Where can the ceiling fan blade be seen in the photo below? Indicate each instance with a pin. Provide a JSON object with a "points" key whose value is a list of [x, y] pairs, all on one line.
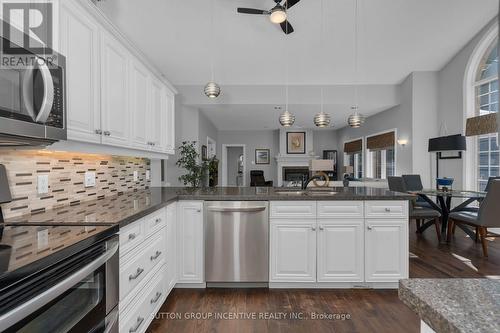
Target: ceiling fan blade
{"points": [[290, 3], [252, 11], [286, 27]]}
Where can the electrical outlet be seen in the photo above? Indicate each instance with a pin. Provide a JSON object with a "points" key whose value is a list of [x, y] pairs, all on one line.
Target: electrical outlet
{"points": [[43, 184], [136, 176], [89, 179], [148, 175]]}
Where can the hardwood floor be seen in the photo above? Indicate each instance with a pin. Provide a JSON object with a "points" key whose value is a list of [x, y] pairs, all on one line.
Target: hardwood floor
{"points": [[370, 310]]}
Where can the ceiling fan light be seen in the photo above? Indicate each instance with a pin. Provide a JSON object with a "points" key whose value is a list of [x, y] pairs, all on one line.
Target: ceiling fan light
{"points": [[278, 16], [322, 120], [287, 119], [212, 90]]}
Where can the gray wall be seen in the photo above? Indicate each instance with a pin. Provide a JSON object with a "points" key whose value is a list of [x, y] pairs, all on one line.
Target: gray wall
{"points": [[233, 155], [325, 140]]}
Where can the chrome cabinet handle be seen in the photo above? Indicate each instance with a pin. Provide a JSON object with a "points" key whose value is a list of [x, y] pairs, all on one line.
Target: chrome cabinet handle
{"points": [[388, 210], [132, 236], [98, 131], [140, 320], [136, 275], [321, 228], [158, 220], [157, 254], [369, 227], [157, 297], [313, 228], [198, 210], [107, 133]]}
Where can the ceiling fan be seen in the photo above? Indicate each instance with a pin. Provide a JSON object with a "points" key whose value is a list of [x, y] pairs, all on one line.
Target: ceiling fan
{"points": [[277, 14]]}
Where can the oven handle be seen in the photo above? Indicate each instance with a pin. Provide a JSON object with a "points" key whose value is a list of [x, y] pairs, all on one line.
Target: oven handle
{"points": [[15, 315], [48, 93]]}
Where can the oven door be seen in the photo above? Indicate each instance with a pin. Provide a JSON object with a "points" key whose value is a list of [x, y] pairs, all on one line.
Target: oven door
{"points": [[85, 301]]}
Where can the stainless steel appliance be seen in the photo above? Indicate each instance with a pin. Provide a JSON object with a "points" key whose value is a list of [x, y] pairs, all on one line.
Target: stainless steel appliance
{"points": [[78, 293], [237, 242], [32, 101]]}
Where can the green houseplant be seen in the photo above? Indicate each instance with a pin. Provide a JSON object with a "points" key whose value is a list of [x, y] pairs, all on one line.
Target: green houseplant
{"points": [[189, 160]]}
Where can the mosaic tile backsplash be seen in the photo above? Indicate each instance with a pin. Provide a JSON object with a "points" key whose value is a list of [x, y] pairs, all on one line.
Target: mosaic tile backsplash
{"points": [[66, 171]]}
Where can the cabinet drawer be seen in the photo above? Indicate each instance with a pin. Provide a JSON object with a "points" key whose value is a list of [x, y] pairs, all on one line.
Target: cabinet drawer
{"points": [[155, 222], [131, 236], [133, 271], [340, 209], [293, 209], [386, 209]]}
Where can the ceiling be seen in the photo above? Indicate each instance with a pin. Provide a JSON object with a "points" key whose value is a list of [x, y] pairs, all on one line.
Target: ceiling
{"points": [[396, 37]]}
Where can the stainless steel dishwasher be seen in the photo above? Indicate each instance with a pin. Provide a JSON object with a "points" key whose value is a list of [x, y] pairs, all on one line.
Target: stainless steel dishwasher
{"points": [[236, 241]]}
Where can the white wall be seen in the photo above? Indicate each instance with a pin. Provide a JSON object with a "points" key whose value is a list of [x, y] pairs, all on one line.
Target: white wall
{"points": [[233, 155]]}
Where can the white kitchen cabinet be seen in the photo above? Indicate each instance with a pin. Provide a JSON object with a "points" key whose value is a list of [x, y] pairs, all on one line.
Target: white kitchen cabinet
{"points": [[139, 104], [190, 247], [79, 41], [340, 250], [171, 248], [114, 98], [157, 119], [169, 132], [293, 251], [386, 250]]}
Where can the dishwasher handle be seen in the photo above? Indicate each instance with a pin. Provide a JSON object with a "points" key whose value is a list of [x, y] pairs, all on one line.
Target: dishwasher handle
{"points": [[237, 209]]}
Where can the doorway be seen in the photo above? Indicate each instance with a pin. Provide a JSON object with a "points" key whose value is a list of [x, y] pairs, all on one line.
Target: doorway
{"points": [[233, 165]]}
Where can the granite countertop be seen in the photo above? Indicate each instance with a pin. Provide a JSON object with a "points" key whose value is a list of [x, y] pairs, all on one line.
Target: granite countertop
{"points": [[128, 207], [454, 305]]}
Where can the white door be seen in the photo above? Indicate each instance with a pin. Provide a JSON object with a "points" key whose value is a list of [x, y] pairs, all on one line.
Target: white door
{"points": [[190, 242], [386, 250], [169, 132], [157, 121], [293, 251], [171, 247], [114, 99], [139, 104], [340, 250], [79, 35]]}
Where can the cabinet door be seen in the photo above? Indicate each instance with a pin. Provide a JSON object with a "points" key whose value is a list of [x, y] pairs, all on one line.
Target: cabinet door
{"points": [[115, 99], [190, 237], [386, 250], [171, 248], [293, 251], [157, 120], [139, 104], [169, 131], [340, 250], [79, 35]]}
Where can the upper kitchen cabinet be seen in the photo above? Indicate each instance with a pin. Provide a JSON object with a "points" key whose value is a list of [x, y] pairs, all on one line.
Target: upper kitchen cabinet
{"points": [[115, 97], [115, 113], [80, 44]]}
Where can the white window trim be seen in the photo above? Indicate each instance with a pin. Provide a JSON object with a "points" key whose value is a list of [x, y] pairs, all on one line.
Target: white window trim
{"points": [[384, 165], [356, 163], [470, 162]]}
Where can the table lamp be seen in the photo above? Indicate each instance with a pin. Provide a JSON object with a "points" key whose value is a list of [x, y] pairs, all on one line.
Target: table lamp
{"points": [[447, 143], [318, 167]]}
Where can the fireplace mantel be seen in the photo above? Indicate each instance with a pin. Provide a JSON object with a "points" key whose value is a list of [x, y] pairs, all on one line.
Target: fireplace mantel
{"points": [[292, 161]]}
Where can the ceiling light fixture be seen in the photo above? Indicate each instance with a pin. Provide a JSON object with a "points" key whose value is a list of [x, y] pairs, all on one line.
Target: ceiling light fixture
{"points": [[287, 119], [356, 119], [322, 119], [212, 89], [278, 15]]}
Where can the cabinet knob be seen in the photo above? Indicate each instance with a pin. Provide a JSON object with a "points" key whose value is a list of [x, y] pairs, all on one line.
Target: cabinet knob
{"points": [[388, 210], [321, 228], [107, 133], [313, 228], [132, 236], [198, 210], [369, 227], [98, 131]]}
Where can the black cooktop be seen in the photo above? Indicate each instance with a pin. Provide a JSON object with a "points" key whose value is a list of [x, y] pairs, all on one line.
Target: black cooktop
{"points": [[25, 250]]}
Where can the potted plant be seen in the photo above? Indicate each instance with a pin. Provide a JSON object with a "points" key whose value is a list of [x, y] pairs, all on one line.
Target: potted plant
{"points": [[190, 161]]}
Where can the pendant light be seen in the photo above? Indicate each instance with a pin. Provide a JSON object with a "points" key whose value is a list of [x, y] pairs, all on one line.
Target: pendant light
{"points": [[212, 89], [287, 119], [356, 119], [322, 119]]}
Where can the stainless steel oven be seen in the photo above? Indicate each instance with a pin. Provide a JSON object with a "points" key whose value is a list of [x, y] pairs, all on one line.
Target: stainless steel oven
{"points": [[77, 294], [32, 99]]}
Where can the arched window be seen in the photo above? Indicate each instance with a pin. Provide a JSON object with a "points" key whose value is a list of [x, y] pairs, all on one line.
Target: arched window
{"points": [[486, 101]]}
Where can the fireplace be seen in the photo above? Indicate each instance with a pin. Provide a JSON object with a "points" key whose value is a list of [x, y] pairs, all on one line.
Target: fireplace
{"points": [[291, 174]]}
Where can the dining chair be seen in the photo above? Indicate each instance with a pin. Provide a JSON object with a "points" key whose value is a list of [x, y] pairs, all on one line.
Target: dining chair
{"points": [[419, 214], [486, 217], [413, 183]]}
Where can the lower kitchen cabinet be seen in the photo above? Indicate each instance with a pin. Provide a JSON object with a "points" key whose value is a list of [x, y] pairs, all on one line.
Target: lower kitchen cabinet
{"points": [[190, 247], [293, 251], [341, 250], [386, 250], [171, 248]]}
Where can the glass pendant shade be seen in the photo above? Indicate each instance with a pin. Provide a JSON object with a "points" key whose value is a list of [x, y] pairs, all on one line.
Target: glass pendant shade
{"points": [[287, 119], [212, 90], [322, 120], [356, 120]]}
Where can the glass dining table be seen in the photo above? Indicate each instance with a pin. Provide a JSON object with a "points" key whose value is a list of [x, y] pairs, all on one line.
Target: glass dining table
{"points": [[443, 204]]}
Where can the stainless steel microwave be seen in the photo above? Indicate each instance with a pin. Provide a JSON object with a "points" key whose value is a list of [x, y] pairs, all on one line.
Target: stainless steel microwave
{"points": [[33, 102]]}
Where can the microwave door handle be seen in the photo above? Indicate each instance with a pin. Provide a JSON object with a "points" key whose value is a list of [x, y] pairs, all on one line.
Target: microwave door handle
{"points": [[28, 92], [48, 96], [27, 308]]}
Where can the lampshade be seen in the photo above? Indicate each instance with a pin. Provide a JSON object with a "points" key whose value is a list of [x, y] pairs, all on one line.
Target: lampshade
{"points": [[321, 165], [5, 195], [349, 169], [448, 143]]}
